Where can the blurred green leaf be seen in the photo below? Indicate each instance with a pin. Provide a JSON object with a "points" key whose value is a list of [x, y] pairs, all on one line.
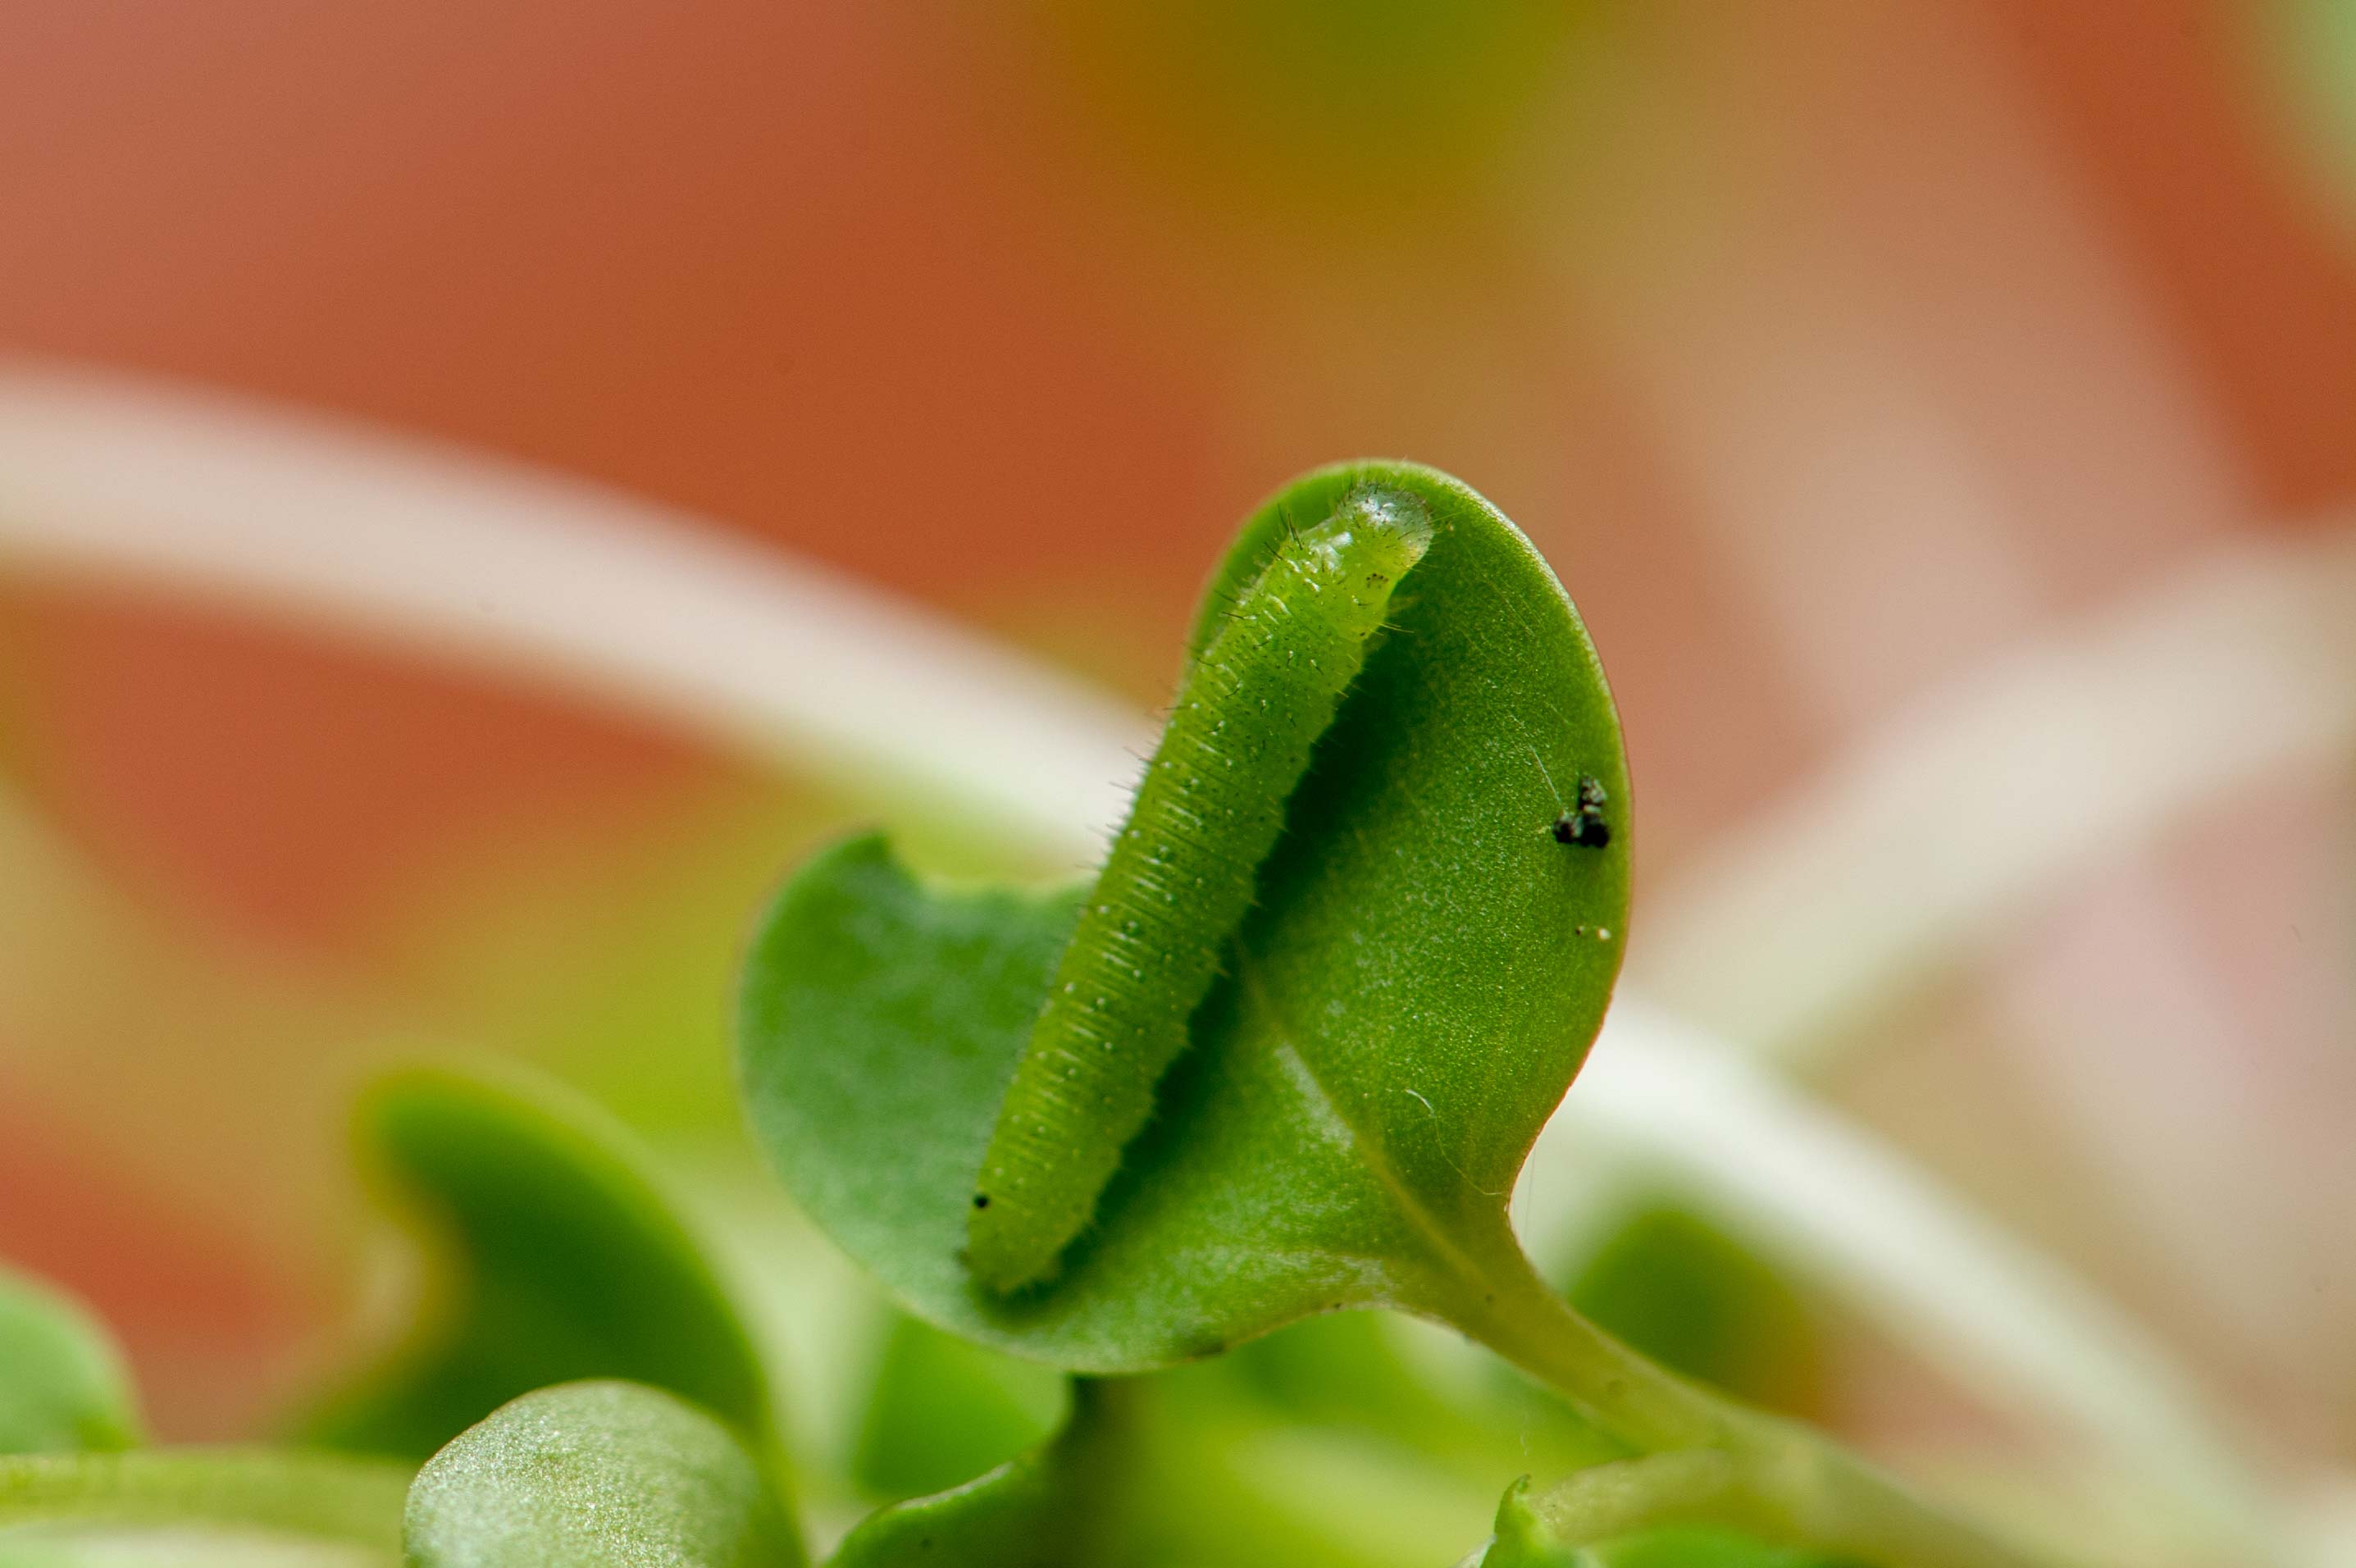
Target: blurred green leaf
{"points": [[1320, 111], [200, 1505], [594, 1474], [2311, 46], [63, 1385], [606, 950], [1685, 1293], [559, 1258], [1052, 1507], [943, 1410], [1348, 1375], [1417, 985]]}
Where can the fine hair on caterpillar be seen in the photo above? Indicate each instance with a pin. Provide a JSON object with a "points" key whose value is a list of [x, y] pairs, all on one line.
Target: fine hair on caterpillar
{"points": [[1179, 878]]}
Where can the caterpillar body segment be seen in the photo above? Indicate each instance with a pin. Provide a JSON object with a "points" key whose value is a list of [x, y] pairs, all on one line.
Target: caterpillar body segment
{"points": [[1180, 877]]}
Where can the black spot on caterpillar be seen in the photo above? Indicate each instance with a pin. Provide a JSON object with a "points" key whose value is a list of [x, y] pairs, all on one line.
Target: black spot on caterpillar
{"points": [[1179, 878]]}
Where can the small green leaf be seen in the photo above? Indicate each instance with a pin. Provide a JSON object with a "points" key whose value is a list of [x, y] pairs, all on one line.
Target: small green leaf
{"points": [[561, 1258], [316, 1506], [63, 1386], [1417, 983], [596, 1474], [1051, 1508]]}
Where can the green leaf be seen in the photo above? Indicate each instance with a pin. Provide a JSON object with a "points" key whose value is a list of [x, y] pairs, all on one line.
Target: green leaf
{"points": [[1420, 976], [1413, 992], [63, 1386], [305, 1508], [597, 1475], [561, 1258], [1047, 1509]]}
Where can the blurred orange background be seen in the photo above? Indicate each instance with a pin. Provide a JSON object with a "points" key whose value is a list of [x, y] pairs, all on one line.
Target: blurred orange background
{"points": [[1827, 349]]}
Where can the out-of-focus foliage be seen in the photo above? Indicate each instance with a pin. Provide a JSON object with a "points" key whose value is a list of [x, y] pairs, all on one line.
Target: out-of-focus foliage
{"points": [[63, 1386], [1685, 1293], [561, 1258], [2313, 48], [1056, 1507], [942, 1409], [1321, 106]]}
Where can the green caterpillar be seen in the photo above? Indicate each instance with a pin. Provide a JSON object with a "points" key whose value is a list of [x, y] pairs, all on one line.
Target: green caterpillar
{"points": [[1180, 877]]}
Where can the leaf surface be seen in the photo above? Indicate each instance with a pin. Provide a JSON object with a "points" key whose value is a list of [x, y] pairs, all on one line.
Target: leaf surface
{"points": [[1417, 983], [596, 1474]]}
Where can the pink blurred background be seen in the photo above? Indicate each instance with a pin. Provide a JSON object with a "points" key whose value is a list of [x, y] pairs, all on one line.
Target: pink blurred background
{"points": [[1829, 350]]}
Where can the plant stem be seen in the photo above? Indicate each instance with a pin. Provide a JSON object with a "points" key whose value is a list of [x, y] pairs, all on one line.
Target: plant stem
{"points": [[1777, 1478]]}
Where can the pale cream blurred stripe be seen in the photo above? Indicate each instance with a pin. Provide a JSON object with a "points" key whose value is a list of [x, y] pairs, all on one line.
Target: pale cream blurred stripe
{"points": [[1668, 1106], [1923, 845], [456, 555], [1921, 404]]}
